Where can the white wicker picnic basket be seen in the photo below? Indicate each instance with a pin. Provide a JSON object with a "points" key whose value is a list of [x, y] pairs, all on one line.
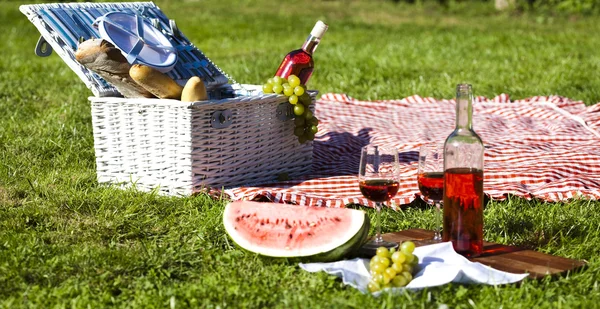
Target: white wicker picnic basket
{"points": [[238, 137]]}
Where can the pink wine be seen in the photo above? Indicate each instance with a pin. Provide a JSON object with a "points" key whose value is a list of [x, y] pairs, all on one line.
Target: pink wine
{"points": [[463, 210], [431, 185], [299, 62], [379, 190]]}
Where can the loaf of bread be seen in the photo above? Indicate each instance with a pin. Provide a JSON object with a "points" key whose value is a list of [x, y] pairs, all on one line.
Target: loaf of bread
{"points": [[156, 82], [106, 60], [194, 90]]}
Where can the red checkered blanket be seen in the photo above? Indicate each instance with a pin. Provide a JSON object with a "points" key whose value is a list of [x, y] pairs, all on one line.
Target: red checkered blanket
{"points": [[541, 147]]}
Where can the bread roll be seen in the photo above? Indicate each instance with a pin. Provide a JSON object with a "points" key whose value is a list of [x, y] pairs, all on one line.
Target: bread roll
{"points": [[106, 60], [194, 90], [155, 82]]}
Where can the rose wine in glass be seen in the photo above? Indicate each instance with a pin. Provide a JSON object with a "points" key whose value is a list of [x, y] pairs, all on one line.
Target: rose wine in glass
{"points": [[379, 181], [463, 180], [430, 178]]}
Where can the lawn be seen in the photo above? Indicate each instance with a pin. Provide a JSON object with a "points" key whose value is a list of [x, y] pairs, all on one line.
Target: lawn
{"points": [[68, 242]]}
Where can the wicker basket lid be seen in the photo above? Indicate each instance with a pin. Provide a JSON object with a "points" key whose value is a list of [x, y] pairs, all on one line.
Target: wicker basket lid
{"points": [[64, 25]]}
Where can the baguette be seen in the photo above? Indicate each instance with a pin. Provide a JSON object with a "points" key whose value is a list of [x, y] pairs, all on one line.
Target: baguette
{"points": [[155, 82], [194, 90], [103, 58]]}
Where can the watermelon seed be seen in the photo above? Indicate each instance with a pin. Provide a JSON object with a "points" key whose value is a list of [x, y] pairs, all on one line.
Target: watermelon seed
{"points": [[291, 236], [337, 219], [287, 226], [310, 234], [312, 224]]}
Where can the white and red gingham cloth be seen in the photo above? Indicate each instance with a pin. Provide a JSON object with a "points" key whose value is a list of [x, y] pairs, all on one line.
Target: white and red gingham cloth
{"points": [[541, 147]]}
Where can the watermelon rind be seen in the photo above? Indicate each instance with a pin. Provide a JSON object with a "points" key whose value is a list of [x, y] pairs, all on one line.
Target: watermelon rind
{"points": [[353, 234], [350, 248]]}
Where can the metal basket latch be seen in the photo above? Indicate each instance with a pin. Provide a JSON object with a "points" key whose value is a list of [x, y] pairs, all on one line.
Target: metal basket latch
{"points": [[285, 111], [42, 48], [221, 119]]}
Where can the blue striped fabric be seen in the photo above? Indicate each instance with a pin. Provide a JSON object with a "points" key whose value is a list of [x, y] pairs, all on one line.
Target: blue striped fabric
{"points": [[69, 22]]}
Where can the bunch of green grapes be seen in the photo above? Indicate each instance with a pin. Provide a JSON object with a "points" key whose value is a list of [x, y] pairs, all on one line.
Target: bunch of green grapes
{"points": [[392, 268], [306, 123]]}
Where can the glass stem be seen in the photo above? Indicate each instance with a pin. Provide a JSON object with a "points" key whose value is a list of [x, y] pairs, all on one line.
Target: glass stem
{"points": [[378, 237], [438, 221]]}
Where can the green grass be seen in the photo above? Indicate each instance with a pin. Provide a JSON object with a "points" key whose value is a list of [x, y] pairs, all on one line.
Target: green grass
{"points": [[68, 242]]}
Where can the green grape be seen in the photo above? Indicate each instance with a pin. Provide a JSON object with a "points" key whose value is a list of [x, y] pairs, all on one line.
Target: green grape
{"points": [[293, 99], [407, 275], [270, 81], [392, 250], [313, 129], [315, 122], [390, 272], [277, 88], [378, 268], [299, 110], [375, 259], [372, 263], [299, 121], [385, 261], [307, 114], [373, 287], [277, 80], [293, 80], [302, 139], [299, 131], [407, 268], [378, 277], [306, 99], [298, 90], [397, 267], [415, 261], [382, 252], [309, 135], [398, 257], [267, 88], [284, 80], [386, 278], [288, 91], [409, 258], [407, 247], [399, 281]]}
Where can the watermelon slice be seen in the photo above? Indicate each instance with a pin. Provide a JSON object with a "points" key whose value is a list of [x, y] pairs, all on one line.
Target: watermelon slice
{"points": [[288, 231]]}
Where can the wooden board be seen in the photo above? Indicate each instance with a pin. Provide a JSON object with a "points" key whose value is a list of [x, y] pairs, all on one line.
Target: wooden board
{"points": [[502, 257]]}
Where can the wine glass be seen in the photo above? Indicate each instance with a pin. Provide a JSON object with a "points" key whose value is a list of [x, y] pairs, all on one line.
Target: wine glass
{"points": [[430, 178], [379, 181]]}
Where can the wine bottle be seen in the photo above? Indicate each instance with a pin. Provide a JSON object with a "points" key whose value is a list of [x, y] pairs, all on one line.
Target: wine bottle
{"points": [[463, 180], [299, 62]]}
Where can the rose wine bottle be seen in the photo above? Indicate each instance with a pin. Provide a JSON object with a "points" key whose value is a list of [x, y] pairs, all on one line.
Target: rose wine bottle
{"points": [[463, 180], [299, 62]]}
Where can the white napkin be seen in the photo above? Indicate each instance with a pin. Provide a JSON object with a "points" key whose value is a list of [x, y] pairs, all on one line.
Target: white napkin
{"points": [[438, 264]]}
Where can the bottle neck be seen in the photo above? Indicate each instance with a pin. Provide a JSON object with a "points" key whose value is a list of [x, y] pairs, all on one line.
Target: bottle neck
{"points": [[464, 107], [311, 43]]}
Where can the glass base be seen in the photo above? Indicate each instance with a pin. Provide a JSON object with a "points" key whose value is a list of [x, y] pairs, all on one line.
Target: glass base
{"points": [[369, 249]]}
